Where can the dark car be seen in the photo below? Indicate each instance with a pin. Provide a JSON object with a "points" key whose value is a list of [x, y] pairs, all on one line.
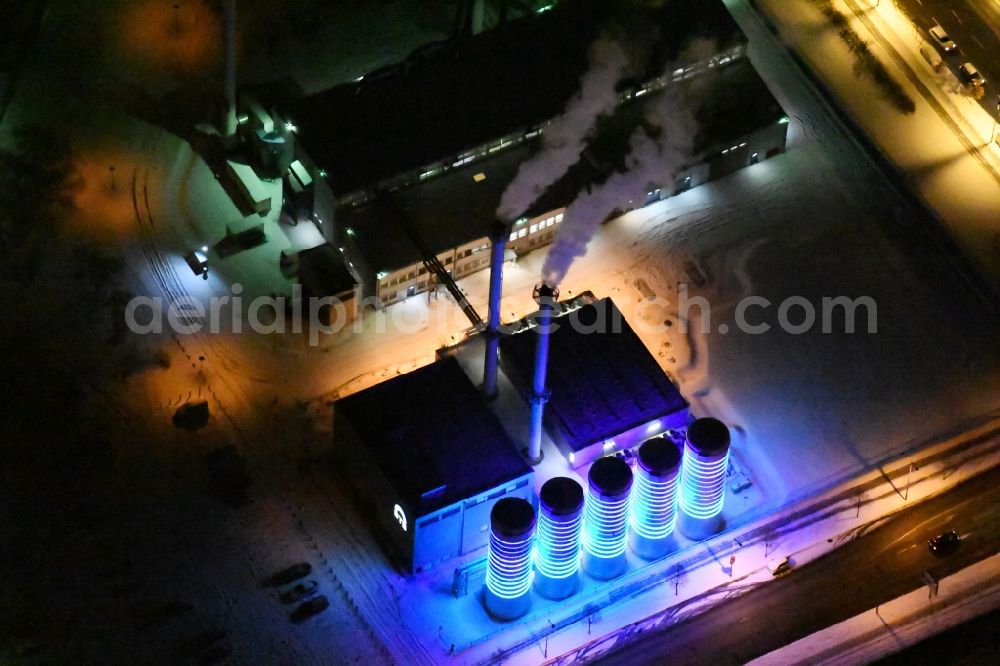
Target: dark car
{"points": [[300, 591], [945, 544], [970, 76], [289, 575], [309, 608]]}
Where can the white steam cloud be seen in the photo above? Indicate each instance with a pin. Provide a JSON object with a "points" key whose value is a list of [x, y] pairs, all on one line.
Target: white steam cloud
{"points": [[653, 161], [564, 139]]}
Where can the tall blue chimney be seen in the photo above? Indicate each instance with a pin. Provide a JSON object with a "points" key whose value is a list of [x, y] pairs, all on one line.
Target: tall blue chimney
{"points": [[546, 296]]}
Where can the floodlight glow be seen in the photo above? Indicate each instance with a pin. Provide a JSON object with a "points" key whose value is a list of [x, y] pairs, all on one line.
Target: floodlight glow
{"points": [[508, 567], [557, 546], [702, 484], [654, 507]]}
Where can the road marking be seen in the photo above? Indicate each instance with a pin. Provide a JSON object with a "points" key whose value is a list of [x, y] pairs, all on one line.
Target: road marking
{"points": [[976, 40], [957, 17]]}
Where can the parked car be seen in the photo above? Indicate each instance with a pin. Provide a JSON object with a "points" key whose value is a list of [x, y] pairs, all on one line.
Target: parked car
{"points": [[970, 76], [941, 38], [289, 575], [945, 544], [779, 566], [309, 608], [300, 591]]}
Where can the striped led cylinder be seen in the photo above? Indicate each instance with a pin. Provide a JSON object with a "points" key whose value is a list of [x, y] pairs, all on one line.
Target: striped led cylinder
{"points": [[557, 540], [508, 566], [605, 526], [703, 477], [654, 498]]}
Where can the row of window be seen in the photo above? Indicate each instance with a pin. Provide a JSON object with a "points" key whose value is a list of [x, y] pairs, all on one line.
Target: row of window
{"points": [[547, 222], [689, 71], [488, 149]]}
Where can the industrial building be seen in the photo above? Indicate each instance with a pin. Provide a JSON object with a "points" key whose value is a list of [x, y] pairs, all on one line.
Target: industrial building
{"points": [[429, 461], [607, 391], [416, 155]]}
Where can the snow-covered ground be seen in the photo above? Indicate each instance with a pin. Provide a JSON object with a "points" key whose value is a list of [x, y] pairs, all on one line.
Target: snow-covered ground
{"points": [[810, 410], [943, 149]]}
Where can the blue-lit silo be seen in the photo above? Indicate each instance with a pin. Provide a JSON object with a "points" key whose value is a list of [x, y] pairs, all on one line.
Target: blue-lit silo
{"points": [[557, 541], [654, 498], [703, 477], [605, 527], [508, 568]]}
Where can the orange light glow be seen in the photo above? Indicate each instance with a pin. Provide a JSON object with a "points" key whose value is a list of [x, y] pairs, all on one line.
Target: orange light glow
{"points": [[102, 198], [155, 36]]}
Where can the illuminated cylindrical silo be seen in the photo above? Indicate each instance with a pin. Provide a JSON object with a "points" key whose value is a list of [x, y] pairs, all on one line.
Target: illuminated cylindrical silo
{"points": [[703, 477], [654, 498], [557, 541], [605, 527], [508, 568]]}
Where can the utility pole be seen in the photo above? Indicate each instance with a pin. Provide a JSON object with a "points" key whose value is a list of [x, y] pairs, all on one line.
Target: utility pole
{"points": [[906, 495], [996, 115]]}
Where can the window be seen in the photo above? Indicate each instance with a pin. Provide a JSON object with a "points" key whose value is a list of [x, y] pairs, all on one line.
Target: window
{"points": [[522, 233], [513, 237], [559, 217], [533, 228]]}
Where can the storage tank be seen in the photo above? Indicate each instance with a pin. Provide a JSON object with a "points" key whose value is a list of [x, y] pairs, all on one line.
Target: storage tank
{"points": [[654, 499], [703, 477], [606, 518], [508, 566], [557, 541]]}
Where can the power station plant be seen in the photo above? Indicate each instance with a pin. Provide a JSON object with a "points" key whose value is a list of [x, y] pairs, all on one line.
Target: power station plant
{"points": [[444, 475], [576, 459]]}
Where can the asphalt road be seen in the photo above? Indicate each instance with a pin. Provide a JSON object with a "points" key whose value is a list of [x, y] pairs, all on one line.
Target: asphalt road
{"points": [[885, 563], [974, 25]]}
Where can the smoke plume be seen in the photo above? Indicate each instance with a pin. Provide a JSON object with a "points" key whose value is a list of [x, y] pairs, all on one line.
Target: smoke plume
{"points": [[656, 154], [564, 138]]}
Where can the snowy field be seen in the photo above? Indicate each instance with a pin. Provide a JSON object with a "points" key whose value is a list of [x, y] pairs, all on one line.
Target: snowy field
{"points": [[128, 555]]}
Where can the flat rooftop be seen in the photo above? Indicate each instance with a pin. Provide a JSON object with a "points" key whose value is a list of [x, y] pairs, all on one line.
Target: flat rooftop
{"points": [[451, 96], [433, 436], [322, 272], [731, 102], [603, 379]]}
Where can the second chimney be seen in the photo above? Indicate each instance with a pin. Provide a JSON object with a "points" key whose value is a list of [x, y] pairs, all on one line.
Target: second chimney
{"points": [[546, 296]]}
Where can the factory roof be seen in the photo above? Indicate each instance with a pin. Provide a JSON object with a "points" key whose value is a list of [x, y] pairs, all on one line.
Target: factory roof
{"points": [[456, 207], [603, 380], [449, 97], [433, 436], [446, 211], [322, 272]]}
